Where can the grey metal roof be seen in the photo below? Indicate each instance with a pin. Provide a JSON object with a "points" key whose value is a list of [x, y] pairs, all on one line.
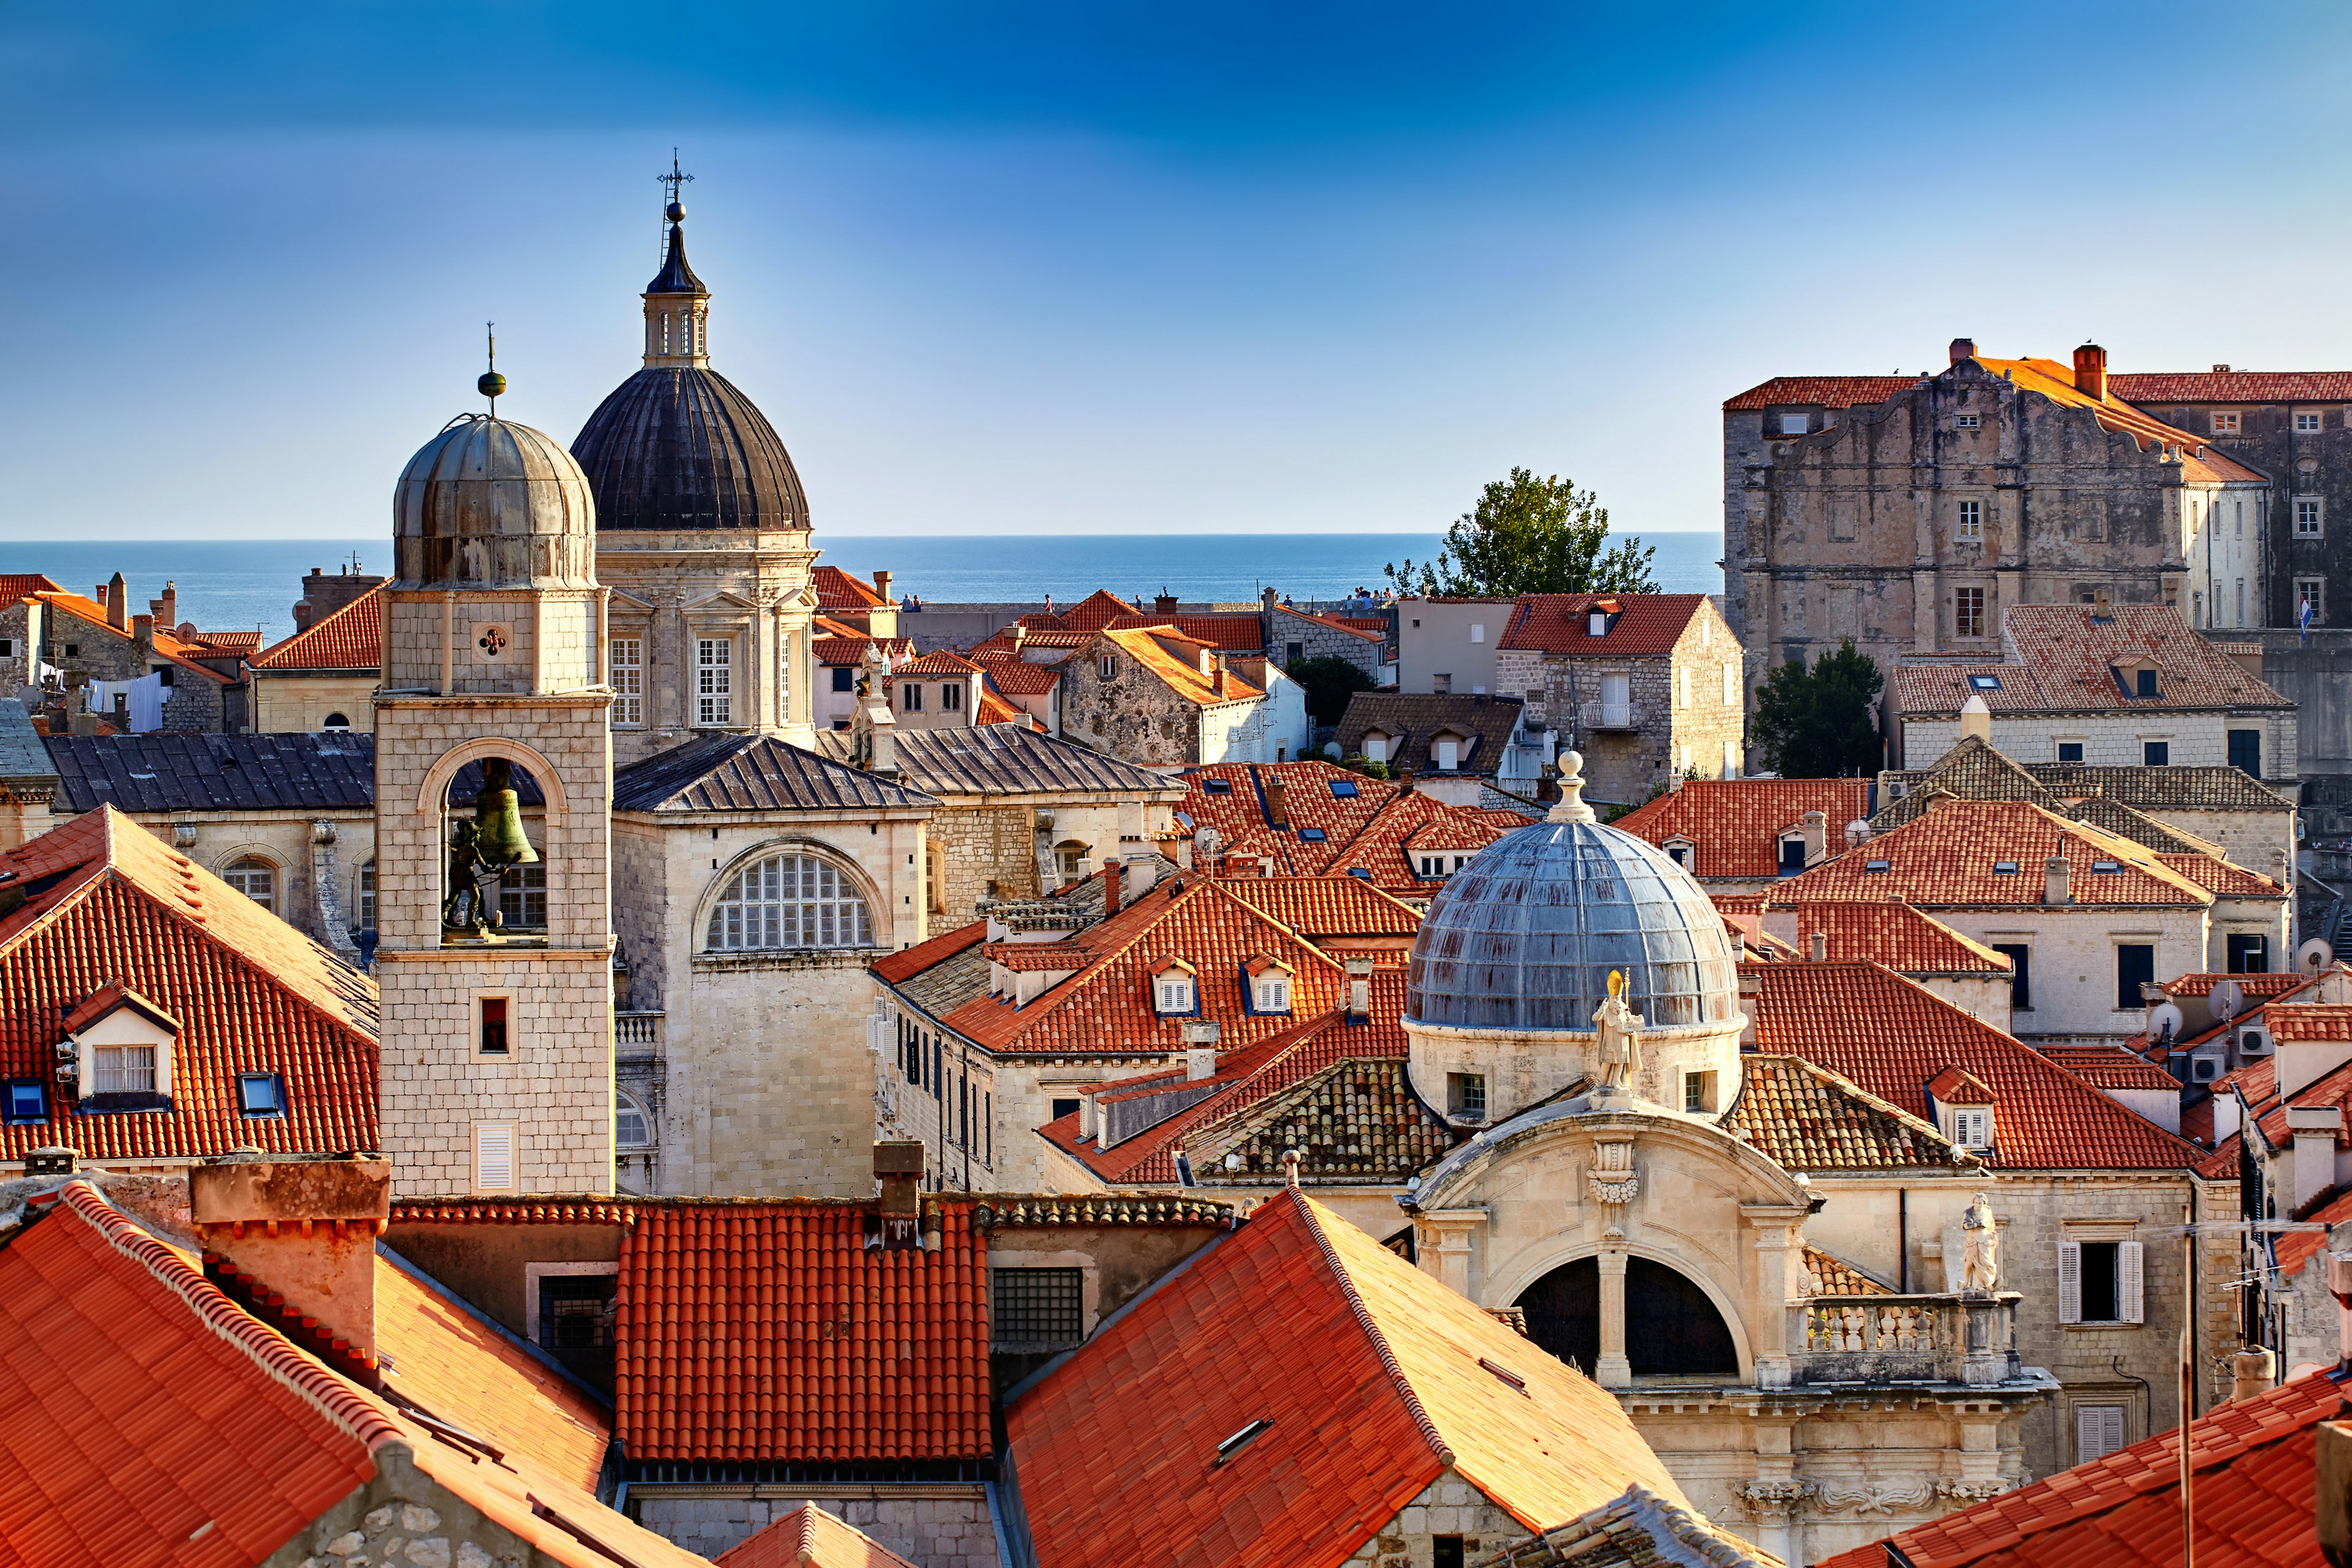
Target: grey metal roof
{"points": [[1411, 721], [1006, 759], [24, 762], [752, 773], [162, 772]]}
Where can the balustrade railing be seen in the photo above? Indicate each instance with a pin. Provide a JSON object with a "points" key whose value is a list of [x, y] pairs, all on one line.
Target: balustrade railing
{"points": [[1966, 1339], [637, 1031]]}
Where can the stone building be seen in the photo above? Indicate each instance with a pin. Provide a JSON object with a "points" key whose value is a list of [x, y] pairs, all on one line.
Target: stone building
{"points": [[321, 677], [498, 1042], [99, 640], [2101, 686], [1646, 686], [1909, 514], [1155, 696]]}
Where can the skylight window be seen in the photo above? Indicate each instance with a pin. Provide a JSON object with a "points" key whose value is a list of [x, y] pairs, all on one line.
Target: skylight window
{"points": [[1217, 786], [1310, 835], [1185, 817], [1360, 871], [28, 1101], [1878, 864], [1240, 1440], [2004, 867], [1343, 789], [1984, 682], [260, 1094], [2106, 868]]}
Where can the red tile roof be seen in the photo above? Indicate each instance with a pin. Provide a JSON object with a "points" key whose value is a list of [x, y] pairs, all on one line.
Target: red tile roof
{"points": [[1372, 829], [152, 1419], [2111, 1066], [938, 662], [2308, 1021], [1091, 614], [2232, 386], [1895, 935], [1320, 907], [2253, 985], [1177, 669], [2056, 382], [1242, 632], [16, 587], [351, 639], [111, 905], [2061, 659], [1019, 678], [1645, 624], [168, 647], [837, 590], [851, 650], [1372, 1380], [1824, 391], [757, 1332], [1945, 858], [550, 1210], [2254, 1472], [2294, 1248], [1735, 824], [808, 1537], [1872, 1026]]}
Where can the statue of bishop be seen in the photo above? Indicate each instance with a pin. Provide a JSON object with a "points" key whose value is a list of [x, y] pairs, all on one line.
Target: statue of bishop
{"points": [[1619, 1033]]}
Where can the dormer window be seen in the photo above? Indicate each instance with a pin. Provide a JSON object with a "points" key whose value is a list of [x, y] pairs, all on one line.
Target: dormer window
{"points": [[1596, 623], [1680, 851], [1791, 425], [118, 1052], [2144, 683], [1268, 981], [1972, 1126], [123, 1069], [1792, 854], [1175, 989]]}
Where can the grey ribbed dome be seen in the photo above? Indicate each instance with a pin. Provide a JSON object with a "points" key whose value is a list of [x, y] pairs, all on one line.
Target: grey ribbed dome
{"points": [[491, 504], [1525, 935], [678, 447]]}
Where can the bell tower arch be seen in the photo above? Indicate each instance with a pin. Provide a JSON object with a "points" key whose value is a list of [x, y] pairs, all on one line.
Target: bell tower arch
{"points": [[494, 770]]}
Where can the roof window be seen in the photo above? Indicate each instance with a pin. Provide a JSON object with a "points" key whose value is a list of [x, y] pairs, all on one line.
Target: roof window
{"points": [[1360, 871], [2004, 867], [1984, 683], [1310, 835], [28, 1101], [1240, 1440], [2106, 868], [1505, 1372], [260, 1094], [1185, 817], [1217, 786], [1878, 864], [1343, 789]]}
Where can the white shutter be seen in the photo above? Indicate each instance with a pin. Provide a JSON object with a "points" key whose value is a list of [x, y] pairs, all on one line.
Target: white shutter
{"points": [[2127, 1282], [2098, 1431], [494, 1156], [2070, 1281]]}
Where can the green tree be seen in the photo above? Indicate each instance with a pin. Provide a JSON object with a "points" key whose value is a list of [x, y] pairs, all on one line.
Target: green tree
{"points": [[1529, 535], [1819, 724], [1329, 680]]}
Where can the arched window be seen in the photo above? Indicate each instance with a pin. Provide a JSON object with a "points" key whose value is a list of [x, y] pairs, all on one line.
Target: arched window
{"points": [[632, 1128], [334, 723], [1070, 859], [1671, 1327], [789, 900], [256, 878]]}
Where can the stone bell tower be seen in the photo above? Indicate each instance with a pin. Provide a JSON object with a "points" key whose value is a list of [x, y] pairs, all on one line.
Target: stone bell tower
{"points": [[496, 968]]}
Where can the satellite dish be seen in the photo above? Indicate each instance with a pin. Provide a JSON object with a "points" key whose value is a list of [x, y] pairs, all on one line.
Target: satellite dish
{"points": [[2164, 1022], [2229, 1000], [2314, 955]]}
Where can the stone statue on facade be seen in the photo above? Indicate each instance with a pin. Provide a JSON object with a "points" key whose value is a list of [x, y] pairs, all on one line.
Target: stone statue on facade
{"points": [[1979, 1248], [1618, 1037]]}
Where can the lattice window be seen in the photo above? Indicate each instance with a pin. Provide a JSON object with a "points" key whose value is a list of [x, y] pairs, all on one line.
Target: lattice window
{"points": [[1040, 1308], [788, 901], [629, 661], [257, 879], [714, 681], [123, 1069]]}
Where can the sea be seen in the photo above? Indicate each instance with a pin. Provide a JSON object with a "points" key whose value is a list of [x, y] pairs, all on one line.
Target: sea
{"points": [[229, 584]]}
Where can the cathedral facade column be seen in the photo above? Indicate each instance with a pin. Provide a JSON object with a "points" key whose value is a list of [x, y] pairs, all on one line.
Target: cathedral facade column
{"points": [[1612, 1370]]}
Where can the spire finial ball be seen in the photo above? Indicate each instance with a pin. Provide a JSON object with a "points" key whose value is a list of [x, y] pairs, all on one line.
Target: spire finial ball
{"points": [[492, 384], [675, 212]]}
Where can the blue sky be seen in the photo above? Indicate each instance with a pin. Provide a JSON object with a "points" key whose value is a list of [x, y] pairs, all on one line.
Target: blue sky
{"points": [[1104, 268]]}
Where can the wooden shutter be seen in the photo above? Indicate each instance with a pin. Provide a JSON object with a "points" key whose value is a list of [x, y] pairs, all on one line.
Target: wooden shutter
{"points": [[2128, 1294], [494, 1156], [2098, 1431], [2070, 1281]]}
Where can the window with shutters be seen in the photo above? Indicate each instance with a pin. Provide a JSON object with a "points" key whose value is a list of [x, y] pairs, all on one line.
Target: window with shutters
{"points": [[494, 1156], [1969, 612], [2135, 967], [2100, 1282], [2098, 1431], [1972, 1126], [629, 661], [123, 1069], [714, 681], [789, 901]]}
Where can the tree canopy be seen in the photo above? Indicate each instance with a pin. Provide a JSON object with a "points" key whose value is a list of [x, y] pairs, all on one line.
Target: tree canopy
{"points": [[1328, 680], [1529, 535], [1820, 723]]}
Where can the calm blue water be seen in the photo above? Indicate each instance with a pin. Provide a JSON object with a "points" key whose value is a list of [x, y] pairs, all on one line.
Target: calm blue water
{"points": [[229, 584]]}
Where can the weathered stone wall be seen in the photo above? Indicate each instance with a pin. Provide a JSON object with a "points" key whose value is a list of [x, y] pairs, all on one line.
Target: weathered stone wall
{"points": [[1315, 639], [1620, 765], [979, 852], [931, 1526], [1710, 706], [404, 1517], [1134, 716], [286, 703], [192, 704], [288, 842], [1447, 1506]]}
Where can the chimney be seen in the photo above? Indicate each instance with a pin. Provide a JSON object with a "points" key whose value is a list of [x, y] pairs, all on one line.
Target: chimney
{"points": [[1751, 991], [1020, 635], [882, 584], [2091, 372], [2057, 875], [1218, 684], [1142, 870], [1269, 599], [1200, 1048], [1278, 803], [1963, 349], [166, 609], [1360, 989], [1110, 886], [1819, 946], [1164, 605], [2314, 1128], [2253, 1373], [1975, 718], [2339, 1284], [898, 1167], [1817, 835], [295, 1237]]}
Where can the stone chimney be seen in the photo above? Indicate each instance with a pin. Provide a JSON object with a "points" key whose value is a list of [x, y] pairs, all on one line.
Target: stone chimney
{"points": [[2091, 372], [2252, 1374], [1269, 599], [116, 599], [1200, 1048], [1816, 828], [1110, 886], [2057, 878], [1818, 947], [1975, 718], [2314, 1128], [898, 1169], [1163, 604], [1360, 989], [165, 610], [1278, 803], [1218, 682], [294, 1237], [1963, 349], [882, 584]]}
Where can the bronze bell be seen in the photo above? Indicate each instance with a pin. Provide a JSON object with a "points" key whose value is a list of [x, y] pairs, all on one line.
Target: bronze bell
{"points": [[498, 818]]}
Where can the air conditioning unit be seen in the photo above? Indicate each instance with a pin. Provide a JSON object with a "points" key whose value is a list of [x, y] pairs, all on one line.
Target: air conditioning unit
{"points": [[2255, 1041], [2204, 1069]]}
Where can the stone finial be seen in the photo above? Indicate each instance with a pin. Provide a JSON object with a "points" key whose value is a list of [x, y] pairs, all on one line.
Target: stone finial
{"points": [[1290, 1158], [1571, 807]]}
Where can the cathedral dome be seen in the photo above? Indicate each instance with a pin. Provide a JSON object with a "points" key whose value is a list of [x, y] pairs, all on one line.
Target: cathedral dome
{"points": [[487, 503], [1524, 936], [679, 446]]}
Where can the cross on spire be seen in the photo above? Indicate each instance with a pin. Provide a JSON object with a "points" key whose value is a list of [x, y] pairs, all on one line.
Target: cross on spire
{"points": [[676, 178]]}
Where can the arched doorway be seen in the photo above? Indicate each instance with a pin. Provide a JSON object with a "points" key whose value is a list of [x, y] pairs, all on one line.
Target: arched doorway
{"points": [[1671, 1327]]}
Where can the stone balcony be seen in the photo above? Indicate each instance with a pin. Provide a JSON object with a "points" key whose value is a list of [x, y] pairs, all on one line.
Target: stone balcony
{"points": [[1874, 1341], [637, 1034]]}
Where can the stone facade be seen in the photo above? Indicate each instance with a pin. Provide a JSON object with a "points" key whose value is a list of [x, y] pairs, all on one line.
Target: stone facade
{"points": [[404, 1517], [2193, 737], [1294, 634], [1135, 715], [287, 701], [1849, 523], [942, 1526], [1685, 714], [1449, 644], [1450, 1509]]}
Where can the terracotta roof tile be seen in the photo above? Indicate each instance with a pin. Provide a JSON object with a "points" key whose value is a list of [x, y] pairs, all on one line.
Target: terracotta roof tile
{"points": [[2056, 382], [553, 1209], [1372, 630], [757, 1332], [1320, 907], [1828, 1275], [1878, 1030], [837, 590], [351, 639], [2063, 657], [1822, 391], [1235, 633], [1387, 1378], [2253, 1460], [1365, 828], [2111, 1066], [2232, 386], [1480, 727], [1149, 647], [169, 648], [1894, 934], [1019, 678], [1637, 1529], [1950, 857], [16, 587], [1807, 1118], [1030, 1211], [109, 904], [1093, 613], [1647, 625], [808, 1537], [1735, 825]]}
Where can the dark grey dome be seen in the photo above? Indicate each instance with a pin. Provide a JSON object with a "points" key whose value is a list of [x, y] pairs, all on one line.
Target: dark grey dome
{"points": [[489, 503], [678, 447], [1525, 935]]}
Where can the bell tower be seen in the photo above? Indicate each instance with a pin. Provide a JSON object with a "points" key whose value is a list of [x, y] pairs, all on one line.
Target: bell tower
{"points": [[493, 786]]}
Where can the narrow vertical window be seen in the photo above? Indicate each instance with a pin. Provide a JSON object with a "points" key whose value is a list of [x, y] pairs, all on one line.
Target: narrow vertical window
{"points": [[367, 896], [714, 684], [1967, 613], [784, 679], [494, 1027], [1971, 519], [494, 1156], [628, 659]]}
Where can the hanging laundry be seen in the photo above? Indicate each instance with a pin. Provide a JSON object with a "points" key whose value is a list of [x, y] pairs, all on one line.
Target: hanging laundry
{"points": [[148, 694]]}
